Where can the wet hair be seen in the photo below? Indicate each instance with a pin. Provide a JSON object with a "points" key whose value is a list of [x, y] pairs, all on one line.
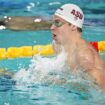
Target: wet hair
{"points": [[79, 29]]}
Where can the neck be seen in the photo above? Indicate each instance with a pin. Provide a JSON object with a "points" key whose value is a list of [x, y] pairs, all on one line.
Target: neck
{"points": [[72, 41]]}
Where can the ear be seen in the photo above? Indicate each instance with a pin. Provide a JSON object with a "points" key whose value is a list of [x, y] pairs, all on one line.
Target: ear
{"points": [[73, 27]]}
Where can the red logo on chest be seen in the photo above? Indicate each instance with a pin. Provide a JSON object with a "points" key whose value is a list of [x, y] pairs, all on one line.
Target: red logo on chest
{"points": [[77, 14]]}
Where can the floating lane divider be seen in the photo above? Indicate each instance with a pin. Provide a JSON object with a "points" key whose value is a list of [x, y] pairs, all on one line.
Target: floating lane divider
{"points": [[44, 50], [26, 51]]}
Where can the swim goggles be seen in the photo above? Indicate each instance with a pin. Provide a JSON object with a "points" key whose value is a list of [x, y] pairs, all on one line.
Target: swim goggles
{"points": [[57, 23]]}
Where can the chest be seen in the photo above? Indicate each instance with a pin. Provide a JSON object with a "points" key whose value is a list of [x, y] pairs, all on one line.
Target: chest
{"points": [[72, 60]]}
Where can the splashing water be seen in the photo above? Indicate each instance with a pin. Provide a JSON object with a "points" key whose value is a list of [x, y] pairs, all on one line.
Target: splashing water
{"points": [[48, 70], [41, 69]]}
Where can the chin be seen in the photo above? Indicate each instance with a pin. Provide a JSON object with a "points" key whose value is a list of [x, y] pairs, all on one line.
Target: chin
{"points": [[57, 41]]}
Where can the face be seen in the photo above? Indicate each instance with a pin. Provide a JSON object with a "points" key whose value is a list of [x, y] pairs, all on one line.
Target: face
{"points": [[60, 30]]}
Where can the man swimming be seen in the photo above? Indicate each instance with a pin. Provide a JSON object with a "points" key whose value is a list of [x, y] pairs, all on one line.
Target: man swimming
{"points": [[67, 32]]}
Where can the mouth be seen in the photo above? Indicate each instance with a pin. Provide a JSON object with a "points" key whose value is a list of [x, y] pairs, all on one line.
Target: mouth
{"points": [[54, 36]]}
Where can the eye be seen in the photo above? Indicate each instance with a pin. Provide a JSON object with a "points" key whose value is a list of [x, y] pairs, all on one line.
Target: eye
{"points": [[58, 23]]}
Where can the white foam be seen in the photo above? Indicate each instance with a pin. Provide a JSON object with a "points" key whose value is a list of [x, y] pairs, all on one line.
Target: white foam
{"points": [[40, 67], [2, 27], [54, 3], [37, 20], [32, 4], [49, 70]]}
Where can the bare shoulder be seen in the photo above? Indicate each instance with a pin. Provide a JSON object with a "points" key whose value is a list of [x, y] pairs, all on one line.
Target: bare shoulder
{"points": [[85, 50], [86, 55], [90, 60]]}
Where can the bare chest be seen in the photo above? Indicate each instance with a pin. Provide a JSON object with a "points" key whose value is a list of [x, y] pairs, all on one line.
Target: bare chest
{"points": [[72, 60]]}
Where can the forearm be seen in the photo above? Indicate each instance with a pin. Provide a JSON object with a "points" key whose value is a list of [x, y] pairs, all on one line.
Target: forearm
{"points": [[99, 76]]}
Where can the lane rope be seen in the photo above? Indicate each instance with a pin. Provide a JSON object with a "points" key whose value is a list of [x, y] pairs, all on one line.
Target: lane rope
{"points": [[44, 50]]}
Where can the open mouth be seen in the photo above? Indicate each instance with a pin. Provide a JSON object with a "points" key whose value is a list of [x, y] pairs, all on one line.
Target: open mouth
{"points": [[53, 36]]}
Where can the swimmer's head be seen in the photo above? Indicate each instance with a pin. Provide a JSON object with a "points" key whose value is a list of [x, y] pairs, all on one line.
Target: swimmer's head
{"points": [[72, 14]]}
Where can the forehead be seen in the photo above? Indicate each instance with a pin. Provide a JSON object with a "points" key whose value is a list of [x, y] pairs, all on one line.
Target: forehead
{"points": [[58, 18]]}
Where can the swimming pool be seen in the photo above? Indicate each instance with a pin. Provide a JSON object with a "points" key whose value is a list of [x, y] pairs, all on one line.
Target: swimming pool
{"points": [[31, 83]]}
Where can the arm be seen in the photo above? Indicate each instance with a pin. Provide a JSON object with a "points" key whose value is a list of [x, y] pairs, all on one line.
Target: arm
{"points": [[88, 62], [99, 76]]}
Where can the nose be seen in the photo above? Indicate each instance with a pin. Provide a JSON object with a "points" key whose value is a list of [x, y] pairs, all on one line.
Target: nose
{"points": [[52, 27]]}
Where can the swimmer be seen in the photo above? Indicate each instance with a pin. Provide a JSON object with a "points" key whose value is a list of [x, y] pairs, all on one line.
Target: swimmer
{"points": [[67, 32]]}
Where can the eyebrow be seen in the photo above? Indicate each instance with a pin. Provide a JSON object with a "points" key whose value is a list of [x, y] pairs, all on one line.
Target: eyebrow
{"points": [[56, 20]]}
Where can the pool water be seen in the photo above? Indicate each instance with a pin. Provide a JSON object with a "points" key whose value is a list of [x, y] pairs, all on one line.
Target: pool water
{"points": [[31, 81]]}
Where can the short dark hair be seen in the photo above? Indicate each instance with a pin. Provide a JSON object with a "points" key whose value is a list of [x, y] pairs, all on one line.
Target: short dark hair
{"points": [[79, 29]]}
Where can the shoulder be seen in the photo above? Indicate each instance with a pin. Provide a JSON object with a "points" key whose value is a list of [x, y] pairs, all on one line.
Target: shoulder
{"points": [[86, 57], [84, 50], [85, 53]]}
